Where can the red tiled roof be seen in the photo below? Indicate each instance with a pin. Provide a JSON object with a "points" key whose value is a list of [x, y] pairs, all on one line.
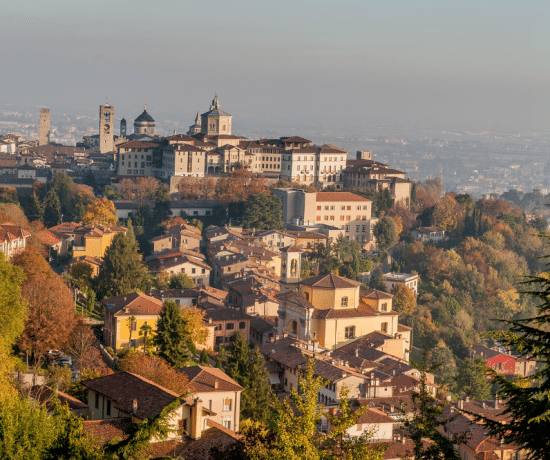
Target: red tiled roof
{"points": [[135, 303], [294, 139], [202, 379], [124, 387], [44, 395], [138, 144], [331, 281], [339, 196]]}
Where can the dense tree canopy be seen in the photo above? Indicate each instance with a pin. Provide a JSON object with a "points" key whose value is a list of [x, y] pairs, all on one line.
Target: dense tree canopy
{"points": [[262, 211]]}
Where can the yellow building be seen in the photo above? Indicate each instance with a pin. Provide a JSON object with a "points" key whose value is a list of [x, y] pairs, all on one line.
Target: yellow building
{"points": [[92, 240], [125, 317], [334, 311]]}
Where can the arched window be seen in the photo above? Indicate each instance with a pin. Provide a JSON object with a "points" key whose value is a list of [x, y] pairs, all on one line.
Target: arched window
{"points": [[293, 267], [294, 327]]}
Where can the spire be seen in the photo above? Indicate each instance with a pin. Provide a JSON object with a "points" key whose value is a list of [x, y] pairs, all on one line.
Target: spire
{"points": [[174, 131], [215, 104], [198, 119]]}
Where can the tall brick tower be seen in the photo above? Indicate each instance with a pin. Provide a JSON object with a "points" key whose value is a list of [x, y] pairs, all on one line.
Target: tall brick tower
{"points": [[44, 127], [106, 128]]}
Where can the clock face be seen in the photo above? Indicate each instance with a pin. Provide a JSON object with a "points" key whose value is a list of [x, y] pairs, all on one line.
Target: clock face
{"points": [[107, 115]]}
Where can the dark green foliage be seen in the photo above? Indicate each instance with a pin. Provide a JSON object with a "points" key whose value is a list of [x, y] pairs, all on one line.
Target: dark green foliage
{"points": [[62, 186], [381, 200], [385, 233], [471, 379], [180, 281], [111, 192], [204, 357], [122, 271], [528, 405], [89, 180], [426, 217], [162, 210], [427, 423], [262, 211], [34, 209], [171, 336], [52, 209], [413, 192], [256, 397], [248, 369]]}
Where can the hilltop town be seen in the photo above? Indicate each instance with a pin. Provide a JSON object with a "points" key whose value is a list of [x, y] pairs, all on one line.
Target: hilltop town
{"points": [[203, 287]]}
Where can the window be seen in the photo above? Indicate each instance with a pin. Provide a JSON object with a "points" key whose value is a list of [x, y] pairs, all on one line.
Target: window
{"points": [[384, 306], [193, 271], [326, 208], [242, 325], [318, 207], [227, 423], [344, 302], [96, 404], [343, 208], [326, 218], [365, 208], [227, 404], [133, 326], [349, 332], [349, 208], [384, 327], [331, 217], [332, 208], [347, 228], [359, 208], [230, 326], [203, 271], [108, 407], [294, 327], [363, 228], [357, 228], [341, 217]]}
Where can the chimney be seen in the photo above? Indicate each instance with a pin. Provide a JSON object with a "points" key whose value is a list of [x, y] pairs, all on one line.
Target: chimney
{"points": [[134, 406], [496, 401], [285, 334], [277, 336], [483, 404], [196, 419], [467, 399], [461, 404], [216, 384], [357, 352], [403, 440]]}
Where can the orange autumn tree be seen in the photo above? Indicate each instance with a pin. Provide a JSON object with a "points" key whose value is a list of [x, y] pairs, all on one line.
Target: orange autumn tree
{"points": [[101, 211], [51, 314]]}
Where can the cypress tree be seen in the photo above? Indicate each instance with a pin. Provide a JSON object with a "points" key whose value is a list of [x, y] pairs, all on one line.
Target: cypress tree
{"points": [[171, 336], [162, 210], [122, 271], [52, 209], [256, 397], [34, 209]]}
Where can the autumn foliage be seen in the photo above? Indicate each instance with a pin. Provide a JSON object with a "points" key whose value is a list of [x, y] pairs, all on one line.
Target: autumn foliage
{"points": [[239, 186], [155, 369], [51, 314], [101, 211]]}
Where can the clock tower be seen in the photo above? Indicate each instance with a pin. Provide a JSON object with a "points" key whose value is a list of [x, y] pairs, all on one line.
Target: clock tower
{"points": [[106, 128]]}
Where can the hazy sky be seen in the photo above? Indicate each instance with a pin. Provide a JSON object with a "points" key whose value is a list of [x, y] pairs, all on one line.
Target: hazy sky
{"points": [[468, 64]]}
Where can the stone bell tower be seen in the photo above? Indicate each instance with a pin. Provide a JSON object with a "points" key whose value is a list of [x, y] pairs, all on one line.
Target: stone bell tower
{"points": [[291, 264], [106, 128]]}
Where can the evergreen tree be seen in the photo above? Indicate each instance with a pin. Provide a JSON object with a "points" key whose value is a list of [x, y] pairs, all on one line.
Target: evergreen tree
{"points": [[52, 209], [426, 422], [171, 336], [204, 357], [256, 397], [34, 209], [472, 381], [413, 192], [62, 186], [527, 401], [385, 233], [236, 363], [263, 212], [162, 210], [122, 271]]}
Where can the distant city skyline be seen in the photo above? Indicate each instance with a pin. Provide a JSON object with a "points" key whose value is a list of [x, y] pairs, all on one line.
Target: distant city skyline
{"points": [[468, 65]]}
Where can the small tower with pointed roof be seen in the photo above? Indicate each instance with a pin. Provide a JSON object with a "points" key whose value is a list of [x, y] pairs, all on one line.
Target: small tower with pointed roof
{"points": [[196, 128], [123, 127]]}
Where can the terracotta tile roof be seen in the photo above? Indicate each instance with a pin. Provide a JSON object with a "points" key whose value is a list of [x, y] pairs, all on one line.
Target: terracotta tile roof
{"points": [[295, 297], [16, 230], [375, 294], [88, 259], [215, 436], [331, 281], [135, 303], [103, 431], [333, 372], [290, 356], [294, 139], [306, 235], [339, 196], [202, 379], [224, 314], [375, 416], [291, 248], [124, 387], [396, 450], [44, 395], [138, 145], [181, 137], [47, 238], [332, 313]]}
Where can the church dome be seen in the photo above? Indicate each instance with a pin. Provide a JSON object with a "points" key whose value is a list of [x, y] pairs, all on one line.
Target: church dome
{"points": [[144, 117]]}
